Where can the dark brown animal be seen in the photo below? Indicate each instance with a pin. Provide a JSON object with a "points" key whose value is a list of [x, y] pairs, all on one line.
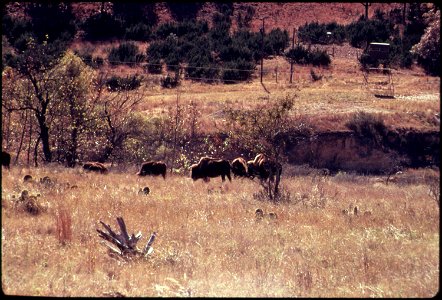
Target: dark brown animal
{"points": [[239, 167], [153, 168], [95, 167], [6, 159], [209, 167], [264, 168]]}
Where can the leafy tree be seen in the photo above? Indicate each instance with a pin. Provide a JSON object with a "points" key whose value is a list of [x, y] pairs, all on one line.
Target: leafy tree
{"points": [[201, 64], [138, 32], [52, 21], [116, 112], [263, 130], [237, 70], [102, 26], [362, 32], [251, 41], [276, 41], [35, 65], [245, 16], [184, 11], [428, 49], [74, 108]]}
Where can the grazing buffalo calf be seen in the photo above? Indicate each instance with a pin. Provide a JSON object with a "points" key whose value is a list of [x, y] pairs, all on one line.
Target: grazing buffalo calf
{"points": [[153, 168], [6, 159], [95, 167], [239, 167], [210, 167]]}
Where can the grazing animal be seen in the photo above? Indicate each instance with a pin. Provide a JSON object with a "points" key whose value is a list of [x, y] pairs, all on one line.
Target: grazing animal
{"points": [[210, 167], [95, 167], [153, 168], [259, 214], [264, 168], [239, 167], [6, 159]]}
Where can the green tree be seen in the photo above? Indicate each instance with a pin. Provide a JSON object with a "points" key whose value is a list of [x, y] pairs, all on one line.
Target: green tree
{"points": [[428, 48], [74, 108], [265, 129], [35, 65]]}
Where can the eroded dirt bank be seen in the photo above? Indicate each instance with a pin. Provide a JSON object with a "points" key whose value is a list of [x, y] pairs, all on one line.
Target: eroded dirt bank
{"points": [[347, 151]]}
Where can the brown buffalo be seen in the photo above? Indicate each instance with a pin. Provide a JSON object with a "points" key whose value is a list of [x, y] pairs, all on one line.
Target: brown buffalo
{"points": [[6, 159], [210, 167], [153, 168], [95, 167], [239, 167], [264, 168]]}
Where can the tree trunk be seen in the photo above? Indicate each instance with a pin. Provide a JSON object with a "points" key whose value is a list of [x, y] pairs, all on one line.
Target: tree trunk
{"points": [[44, 135]]}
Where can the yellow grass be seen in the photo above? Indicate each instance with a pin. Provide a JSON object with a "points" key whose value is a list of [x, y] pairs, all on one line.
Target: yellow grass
{"points": [[209, 243]]}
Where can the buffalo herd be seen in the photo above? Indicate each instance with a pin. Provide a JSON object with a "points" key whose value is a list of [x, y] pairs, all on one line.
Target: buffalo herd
{"points": [[261, 167]]}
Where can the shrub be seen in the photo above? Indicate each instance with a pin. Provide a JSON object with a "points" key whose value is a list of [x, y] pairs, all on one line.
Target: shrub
{"points": [[319, 58], [169, 81], [276, 41], [201, 65], [138, 32], [116, 83], [154, 66], [125, 53], [313, 33], [92, 61], [314, 76], [237, 70], [368, 126], [299, 54], [363, 32], [102, 26]]}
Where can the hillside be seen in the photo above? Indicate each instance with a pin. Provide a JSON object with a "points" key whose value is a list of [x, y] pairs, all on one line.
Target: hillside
{"points": [[284, 15], [326, 98]]}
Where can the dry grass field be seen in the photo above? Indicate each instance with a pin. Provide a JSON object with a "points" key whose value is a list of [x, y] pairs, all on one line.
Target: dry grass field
{"points": [[326, 104], [209, 242]]}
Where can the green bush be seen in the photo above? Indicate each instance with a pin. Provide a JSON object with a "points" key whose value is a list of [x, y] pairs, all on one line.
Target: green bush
{"points": [[363, 32], [138, 32], [319, 58], [300, 55], [127, 52], [237, 70], [94, 62], [276, 41], [154, 66], [313, 33], [369, 126], [169, 81], [101, 27], [116, 83], [201, 66]]}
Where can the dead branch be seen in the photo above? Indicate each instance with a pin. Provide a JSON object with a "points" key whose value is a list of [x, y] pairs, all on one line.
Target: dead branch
{"points": [[122, 243]]}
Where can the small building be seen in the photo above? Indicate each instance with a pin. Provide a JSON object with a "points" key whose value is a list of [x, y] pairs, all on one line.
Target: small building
{"points": [[379, 50]]}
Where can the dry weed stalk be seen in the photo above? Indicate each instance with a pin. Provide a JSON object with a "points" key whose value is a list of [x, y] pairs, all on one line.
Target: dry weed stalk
{"points": [[64, 226]]}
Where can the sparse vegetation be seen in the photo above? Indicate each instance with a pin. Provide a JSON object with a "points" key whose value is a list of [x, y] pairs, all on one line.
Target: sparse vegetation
{"points": [[310, 249], [323, 232]]}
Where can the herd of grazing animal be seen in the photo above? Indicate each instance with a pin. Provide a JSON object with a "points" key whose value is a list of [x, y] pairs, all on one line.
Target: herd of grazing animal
{"points": [[208, 167]]}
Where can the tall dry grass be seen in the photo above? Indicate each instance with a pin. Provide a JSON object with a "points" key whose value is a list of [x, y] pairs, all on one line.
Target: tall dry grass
{"points": [[210, 244]]}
